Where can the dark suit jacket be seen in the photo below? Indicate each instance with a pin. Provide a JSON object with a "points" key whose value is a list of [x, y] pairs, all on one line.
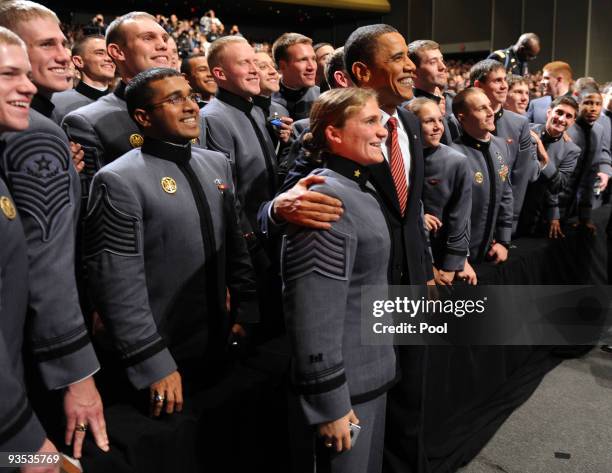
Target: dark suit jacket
{"points": [[408, 230]]}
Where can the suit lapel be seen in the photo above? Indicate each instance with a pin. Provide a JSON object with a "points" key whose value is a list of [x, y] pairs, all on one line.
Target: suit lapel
{"points": [[383, 181]]}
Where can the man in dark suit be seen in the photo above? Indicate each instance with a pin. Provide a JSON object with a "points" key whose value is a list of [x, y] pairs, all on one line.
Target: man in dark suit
{"points": [[97, 70], [376, 57]]}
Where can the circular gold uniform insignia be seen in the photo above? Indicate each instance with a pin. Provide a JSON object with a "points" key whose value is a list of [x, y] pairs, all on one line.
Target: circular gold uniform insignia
{"points": [[8, 209], [168, 185], [136, 140], [478, 177]]}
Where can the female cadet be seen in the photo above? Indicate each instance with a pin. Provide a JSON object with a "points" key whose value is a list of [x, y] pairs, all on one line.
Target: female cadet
{"points": [[447, 197], [337, 380]]}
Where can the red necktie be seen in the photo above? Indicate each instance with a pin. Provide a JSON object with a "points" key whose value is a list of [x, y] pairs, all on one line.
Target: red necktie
{"points": [[398, 171]]}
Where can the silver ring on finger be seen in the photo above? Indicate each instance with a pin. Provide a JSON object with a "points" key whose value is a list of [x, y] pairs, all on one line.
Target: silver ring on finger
{"points": [[159, 398], [81, 427]]}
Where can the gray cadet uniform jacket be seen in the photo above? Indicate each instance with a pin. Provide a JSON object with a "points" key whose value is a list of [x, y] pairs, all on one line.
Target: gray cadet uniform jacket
{"points": [[39, 172], [323, 273], [447, 194], [522, 158], [595, 157], [236, 128], [69, 100], [297, 102], [105, 130], [162, 243], [536, 110], [542, 200], [20, 430], [491, 216]]}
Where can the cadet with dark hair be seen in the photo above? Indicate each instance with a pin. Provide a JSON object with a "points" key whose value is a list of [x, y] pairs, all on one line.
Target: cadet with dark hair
{"points": [[515, 59], [491, 213], [522, 160], [297, 64], [197, 72], [96, 69], [44, 184], [540, 214], [323, 52], [593, 169], [167, 319]]}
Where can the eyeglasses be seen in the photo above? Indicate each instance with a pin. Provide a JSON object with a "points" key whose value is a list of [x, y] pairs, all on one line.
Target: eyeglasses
{"points": [[177, 100]]}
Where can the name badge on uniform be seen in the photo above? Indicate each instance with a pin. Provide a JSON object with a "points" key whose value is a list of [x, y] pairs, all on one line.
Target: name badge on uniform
{"points": [[136, 140], [168, 185], [7, 207], [478, 177]]}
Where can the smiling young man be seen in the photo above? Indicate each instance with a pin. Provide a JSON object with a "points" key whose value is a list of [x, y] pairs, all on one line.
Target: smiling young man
{"points": [[196, 71], [491, 216], [518, 95], [297, 64], [170, 322], [45, 187], [524, 163], [97, 70], [541, 214], [21, 429], [135, 42], [233, 125]]}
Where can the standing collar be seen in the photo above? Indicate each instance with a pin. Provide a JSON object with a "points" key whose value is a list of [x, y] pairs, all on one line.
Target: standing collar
{"points": [[234, 100], [347, 168], [498, 114], [89, 91], [263, 102], [175, 152], [292, 95], [427, 95], [474, 143], [430, 150], [582, 123], [547, 138], [120, 90], [42, 105]]}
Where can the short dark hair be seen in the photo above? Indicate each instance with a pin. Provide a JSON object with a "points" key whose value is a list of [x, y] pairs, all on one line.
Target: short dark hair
{"points": [[586, 91], [460, 99], [186, 64], [79, 46], [138, 92], [564, 100], [334, 63], [114, 32], [482, 69], [361, 45], [419, 45]]}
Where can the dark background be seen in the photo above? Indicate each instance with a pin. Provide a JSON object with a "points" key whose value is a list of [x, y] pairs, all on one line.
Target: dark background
{"points": [[575, 31]]}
